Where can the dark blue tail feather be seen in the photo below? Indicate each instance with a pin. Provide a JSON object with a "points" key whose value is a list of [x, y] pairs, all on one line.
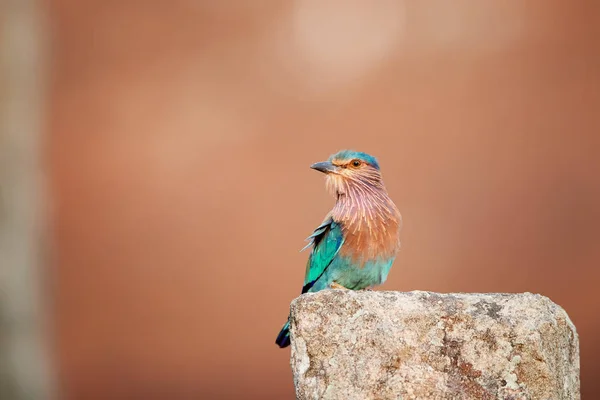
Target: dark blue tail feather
{"points": [[283, 339]]}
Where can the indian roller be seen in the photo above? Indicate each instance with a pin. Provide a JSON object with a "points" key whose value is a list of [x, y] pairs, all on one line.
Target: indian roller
{"points": [[356, 244]]}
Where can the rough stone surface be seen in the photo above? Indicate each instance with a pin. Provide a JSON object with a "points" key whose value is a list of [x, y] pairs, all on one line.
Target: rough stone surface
{"points": [[419, 345]]}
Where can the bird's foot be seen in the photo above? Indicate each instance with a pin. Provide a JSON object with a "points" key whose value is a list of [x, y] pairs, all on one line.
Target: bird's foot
{"points": [[335, 285]]}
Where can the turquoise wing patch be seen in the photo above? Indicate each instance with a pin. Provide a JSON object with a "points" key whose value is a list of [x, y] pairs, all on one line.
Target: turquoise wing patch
{"points": [[326, 240]]}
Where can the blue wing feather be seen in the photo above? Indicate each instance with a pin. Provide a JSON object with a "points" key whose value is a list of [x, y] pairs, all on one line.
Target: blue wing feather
{"points": [[317, 232], [326, 240]]}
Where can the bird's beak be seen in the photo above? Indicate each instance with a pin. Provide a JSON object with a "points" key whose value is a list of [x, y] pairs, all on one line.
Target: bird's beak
{"points": [[326, 167]]}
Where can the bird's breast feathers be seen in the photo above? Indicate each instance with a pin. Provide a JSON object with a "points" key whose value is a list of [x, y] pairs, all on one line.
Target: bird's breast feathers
{"points": [[371, 238]]}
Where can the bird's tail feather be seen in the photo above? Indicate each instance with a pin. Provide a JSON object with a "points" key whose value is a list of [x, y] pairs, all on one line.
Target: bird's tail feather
{"points": [[283, 339]]}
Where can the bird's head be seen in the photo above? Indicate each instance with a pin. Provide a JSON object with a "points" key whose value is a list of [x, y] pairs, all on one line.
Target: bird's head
{"points": [[347, 170]]}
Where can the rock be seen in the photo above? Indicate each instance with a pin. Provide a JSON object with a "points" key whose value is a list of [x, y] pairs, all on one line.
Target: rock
{"points": [[420, 345]]}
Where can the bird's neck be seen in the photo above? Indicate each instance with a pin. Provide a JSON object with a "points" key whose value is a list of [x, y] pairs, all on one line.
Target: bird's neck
{"points": [[364, 202], [371, 223]]}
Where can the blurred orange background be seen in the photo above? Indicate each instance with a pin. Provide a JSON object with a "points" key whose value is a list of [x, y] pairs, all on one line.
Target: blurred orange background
{"points": [[180, 136]]}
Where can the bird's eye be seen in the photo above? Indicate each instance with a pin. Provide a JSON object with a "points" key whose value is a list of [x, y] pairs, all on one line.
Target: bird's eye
{"points": [[356, 163]]}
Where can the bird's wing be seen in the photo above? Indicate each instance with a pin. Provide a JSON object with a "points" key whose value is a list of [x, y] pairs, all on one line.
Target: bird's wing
{"points": [[326, 241]]}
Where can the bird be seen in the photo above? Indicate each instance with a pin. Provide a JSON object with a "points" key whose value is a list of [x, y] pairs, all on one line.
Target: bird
{"points": [[357, 242]]}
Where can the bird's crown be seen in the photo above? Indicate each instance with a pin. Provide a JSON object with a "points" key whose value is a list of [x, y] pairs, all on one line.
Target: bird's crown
{"points": [[345, 156]]}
